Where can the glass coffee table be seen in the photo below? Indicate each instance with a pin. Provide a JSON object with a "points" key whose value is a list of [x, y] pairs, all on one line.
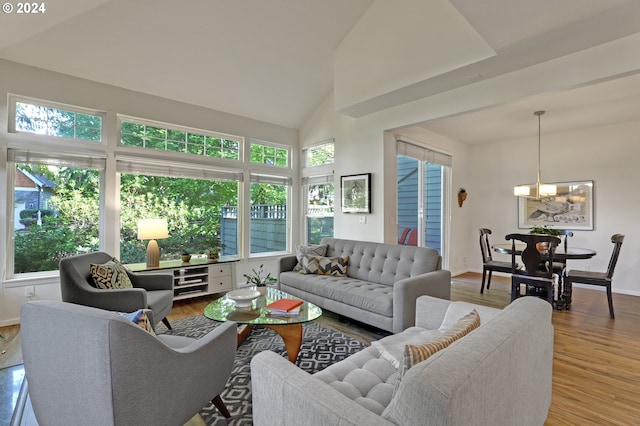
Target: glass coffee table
{"points": [[289, 327]]}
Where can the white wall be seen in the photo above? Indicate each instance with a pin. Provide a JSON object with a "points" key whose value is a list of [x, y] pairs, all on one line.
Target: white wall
{"points": [[607, 155]]}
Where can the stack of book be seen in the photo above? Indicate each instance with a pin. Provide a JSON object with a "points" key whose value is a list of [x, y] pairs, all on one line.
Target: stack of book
{"points": [[285, 307]]}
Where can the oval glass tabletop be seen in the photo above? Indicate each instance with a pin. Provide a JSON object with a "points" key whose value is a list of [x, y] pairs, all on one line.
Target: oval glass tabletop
{"points": [[224, 309]]}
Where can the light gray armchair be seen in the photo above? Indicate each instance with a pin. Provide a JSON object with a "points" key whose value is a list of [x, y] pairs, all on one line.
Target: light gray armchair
{"points": [[153, 292], [90, 366]]}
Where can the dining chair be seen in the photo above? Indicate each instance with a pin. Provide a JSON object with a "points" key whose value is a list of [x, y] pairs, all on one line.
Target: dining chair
{"points": [[488, 264], [560, 265], [536, 273], [403, 236], [596, 278]]}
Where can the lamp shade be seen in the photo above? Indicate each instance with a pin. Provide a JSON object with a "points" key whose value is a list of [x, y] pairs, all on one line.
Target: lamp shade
{"points": [[151, 229]]}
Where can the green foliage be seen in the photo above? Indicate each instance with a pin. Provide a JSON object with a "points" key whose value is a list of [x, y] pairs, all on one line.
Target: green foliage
{"points": [[545, 230], [259, 277], [265, 193], [321, 154], [192, 208]]}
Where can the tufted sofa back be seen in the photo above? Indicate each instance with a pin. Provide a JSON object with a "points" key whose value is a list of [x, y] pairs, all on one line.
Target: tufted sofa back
{"points": [[383, 263]]}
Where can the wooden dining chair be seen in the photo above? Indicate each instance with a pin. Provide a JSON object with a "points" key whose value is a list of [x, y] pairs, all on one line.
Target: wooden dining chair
{"points": [[596, 278], [560, 264], [488, 264], [535, 273]]}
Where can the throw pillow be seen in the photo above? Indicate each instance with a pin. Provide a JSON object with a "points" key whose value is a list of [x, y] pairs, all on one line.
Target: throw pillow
{"points": [[140, 318], [336, 266], [110, 275], [413, 354], [319, 250]]}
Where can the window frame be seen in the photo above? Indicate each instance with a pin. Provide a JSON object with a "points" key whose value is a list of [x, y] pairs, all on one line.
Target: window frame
{"points": [[266, 166], [13, 100], [176, 127], [311, 175]]}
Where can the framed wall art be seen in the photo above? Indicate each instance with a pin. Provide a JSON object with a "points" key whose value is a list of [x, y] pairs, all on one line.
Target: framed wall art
{"points": [[356, 193], [570, 208]]}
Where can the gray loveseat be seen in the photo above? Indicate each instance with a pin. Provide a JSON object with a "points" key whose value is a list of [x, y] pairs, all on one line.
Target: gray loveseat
{"points": [[499, 374], [382, 284]]}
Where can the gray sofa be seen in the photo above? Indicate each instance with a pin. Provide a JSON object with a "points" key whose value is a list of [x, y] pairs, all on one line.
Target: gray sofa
{"points": [[382, 284], [499, 374]]}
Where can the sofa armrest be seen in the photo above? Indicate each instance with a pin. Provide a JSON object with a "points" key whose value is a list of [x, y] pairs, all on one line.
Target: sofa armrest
{"points": [[405, 292], [286, 264], [430, 312], [283, 394], [151, 282]]}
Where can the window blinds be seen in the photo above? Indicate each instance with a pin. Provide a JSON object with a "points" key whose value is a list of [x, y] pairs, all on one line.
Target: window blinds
{"points": [[418, 152], [60, 159], [169, 169], [275, 180]]}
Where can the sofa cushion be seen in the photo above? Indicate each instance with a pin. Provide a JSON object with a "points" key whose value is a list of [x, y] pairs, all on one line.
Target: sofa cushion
{"points": [[414, 354], [457, 310], [392, 347], [383, 263], [364, 377], [371, 297], [336, 266], [314, 250], [111, 274]]}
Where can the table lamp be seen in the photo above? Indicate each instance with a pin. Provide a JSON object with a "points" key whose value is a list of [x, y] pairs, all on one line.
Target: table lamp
{"points": [[151, 229]]}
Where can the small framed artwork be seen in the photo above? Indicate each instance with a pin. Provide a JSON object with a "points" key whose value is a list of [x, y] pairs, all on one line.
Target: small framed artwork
{"points": [[570, 208], [356, 193]]}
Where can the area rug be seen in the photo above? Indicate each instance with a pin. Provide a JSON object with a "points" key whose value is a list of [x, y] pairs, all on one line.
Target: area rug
{"points": [[321, 347]]}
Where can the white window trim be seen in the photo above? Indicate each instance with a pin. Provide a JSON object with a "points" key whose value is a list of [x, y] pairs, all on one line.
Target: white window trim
{"points": [[14, 99]]}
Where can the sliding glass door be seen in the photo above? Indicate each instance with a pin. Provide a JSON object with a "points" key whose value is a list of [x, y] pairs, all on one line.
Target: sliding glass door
{"points": [[421, 204]]}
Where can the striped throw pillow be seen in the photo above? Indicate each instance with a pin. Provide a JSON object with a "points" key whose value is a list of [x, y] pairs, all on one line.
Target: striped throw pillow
{"points": [[413, 354], [336, 266]]}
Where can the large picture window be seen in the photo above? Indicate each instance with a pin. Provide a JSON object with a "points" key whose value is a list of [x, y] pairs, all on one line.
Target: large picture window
{"points": [[193, 209], [268, 213], [56, 209], [71, 198]]}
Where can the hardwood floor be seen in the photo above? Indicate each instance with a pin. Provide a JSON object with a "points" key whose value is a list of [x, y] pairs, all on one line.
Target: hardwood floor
{"points": [[596, 368]]}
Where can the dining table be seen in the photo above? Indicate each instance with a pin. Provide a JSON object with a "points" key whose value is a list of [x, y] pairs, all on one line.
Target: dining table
{"points": [[563, 301]]}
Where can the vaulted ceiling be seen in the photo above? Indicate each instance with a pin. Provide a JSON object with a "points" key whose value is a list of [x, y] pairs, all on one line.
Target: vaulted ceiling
{"points": [[273, 60]]}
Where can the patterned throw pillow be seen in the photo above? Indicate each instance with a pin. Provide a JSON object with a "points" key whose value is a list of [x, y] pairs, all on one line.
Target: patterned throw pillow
{"points": [[140, 318], [413, 354], [319, 250], [110, 275], [336, 266]]}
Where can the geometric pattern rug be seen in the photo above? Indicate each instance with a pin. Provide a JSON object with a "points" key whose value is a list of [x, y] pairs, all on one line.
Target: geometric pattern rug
{"points": [[321, 347]]}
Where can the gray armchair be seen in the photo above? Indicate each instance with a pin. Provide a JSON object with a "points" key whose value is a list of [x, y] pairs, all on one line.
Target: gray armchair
{"points": [[89, 366], [153, 292]]}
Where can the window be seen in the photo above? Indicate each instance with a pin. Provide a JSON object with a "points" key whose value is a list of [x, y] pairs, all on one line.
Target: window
{"points": [[155, 136], [422, 176], [51, 121], [268, 214], [319, 155], [319, 209], [270, 155], [56, 209], [318, 191]]}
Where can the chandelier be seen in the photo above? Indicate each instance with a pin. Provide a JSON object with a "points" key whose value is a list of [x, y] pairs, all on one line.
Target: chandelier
{"points": [[541, 189]]}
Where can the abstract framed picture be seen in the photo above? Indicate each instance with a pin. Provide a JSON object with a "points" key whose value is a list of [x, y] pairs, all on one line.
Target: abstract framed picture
{"points": [[571, 208], [356, 193]]}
